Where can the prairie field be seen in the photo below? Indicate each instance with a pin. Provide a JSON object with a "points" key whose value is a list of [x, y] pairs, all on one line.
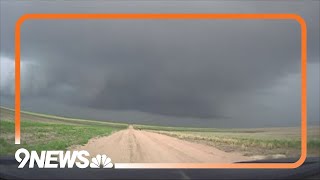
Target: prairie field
{"points": [[48, 132], [45, 132], [255, 142]]}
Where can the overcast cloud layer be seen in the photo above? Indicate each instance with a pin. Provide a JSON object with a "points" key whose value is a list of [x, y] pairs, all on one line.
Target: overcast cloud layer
{"points": [[213, 73]]}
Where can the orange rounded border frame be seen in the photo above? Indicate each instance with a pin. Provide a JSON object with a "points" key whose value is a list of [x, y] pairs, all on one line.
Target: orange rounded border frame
{"points": [[294, 17]]}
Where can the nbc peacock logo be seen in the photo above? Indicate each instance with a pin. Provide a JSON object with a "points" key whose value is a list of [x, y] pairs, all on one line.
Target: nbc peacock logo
{"points": [[101, 161]]}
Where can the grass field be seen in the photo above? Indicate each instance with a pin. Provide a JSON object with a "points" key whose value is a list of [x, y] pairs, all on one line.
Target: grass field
{"points": [[43, 132], [260, 142]]}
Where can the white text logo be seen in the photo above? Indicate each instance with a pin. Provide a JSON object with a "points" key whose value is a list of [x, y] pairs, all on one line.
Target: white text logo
{"points": [[61, 159]]}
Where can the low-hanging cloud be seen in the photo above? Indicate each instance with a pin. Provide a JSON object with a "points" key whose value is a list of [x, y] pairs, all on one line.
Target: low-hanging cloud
{"points": [[180, 68]]}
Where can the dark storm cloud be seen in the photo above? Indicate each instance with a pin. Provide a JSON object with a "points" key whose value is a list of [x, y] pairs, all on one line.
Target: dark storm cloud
{"points": [[170, 67], [182, 68]]}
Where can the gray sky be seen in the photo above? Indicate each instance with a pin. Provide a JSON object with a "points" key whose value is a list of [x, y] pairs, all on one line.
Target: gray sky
{"points": [[209, 73]]}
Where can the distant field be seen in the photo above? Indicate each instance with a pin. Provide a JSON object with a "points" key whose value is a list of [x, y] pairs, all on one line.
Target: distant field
{"points": [[44, 132], [8, 114], [260, 142]]}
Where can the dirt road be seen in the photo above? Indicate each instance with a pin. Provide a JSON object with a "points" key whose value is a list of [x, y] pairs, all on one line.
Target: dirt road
{"points": [[139, 146]]}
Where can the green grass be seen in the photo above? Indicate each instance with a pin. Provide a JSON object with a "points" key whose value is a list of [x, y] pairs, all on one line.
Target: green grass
{"points": [[8, 113], [167, 128], [50, 136], [48, 132], [250, 141]]}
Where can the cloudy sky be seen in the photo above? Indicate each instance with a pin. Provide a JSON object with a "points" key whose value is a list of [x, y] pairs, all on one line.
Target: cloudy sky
{"points": [[207, 73]]}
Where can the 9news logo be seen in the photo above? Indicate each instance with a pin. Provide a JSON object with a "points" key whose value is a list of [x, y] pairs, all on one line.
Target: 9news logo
{"points": [[61, 159]]}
